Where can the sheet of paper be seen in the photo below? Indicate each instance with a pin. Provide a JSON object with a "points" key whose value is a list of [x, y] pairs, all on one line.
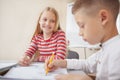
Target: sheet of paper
{"points": [[6, 64], [34, 71]]}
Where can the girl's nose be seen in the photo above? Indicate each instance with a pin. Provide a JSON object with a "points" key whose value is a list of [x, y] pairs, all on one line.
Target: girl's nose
{"points": [[47, 22]]}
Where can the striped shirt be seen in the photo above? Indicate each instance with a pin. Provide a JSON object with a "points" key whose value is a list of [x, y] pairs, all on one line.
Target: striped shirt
{"points": [[56, 43]]}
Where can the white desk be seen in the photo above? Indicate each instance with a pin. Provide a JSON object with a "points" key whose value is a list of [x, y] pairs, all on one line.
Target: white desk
{"points": [[34, 71], [9, 65], [6, 65]]}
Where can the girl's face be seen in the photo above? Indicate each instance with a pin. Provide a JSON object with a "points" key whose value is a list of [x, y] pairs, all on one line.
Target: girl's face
{"points": [[47, 22], [90, 27]]}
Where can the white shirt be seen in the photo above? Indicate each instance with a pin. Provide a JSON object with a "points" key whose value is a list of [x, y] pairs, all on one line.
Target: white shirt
{"points": [[105, 63]]}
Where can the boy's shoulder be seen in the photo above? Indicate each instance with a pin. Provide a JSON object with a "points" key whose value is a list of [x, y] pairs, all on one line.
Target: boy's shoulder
{"points": [[113, 47], [116, 41]]}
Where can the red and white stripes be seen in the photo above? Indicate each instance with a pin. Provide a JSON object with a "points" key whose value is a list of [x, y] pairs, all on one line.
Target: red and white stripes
{"points": [[56, 44]]}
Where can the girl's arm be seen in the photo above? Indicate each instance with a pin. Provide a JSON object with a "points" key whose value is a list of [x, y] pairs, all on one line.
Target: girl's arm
{"points": [[27, 57], [32, 48], [61, 46]]}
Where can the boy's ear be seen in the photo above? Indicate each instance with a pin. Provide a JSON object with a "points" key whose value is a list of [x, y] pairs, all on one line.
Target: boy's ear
{"points": [[103, 16]]}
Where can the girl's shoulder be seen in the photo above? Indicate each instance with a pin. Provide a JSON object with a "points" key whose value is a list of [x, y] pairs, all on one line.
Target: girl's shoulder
{"points": [[38, 36], [60, 32]]}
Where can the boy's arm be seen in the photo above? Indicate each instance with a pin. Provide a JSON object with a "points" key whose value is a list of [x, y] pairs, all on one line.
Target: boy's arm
{"points": [[87, 65], [60, 63], [73, 77], [55, 64]]}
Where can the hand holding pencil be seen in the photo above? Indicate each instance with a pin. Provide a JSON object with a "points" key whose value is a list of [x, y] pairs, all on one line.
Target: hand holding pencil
{"points": [[49, 62]]}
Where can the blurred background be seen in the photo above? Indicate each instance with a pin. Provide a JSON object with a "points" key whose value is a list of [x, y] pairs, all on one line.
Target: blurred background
{"points": [[18, 20]]}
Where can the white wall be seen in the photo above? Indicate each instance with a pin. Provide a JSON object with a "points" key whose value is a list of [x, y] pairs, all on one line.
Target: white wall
{"points": [[18, 21]]}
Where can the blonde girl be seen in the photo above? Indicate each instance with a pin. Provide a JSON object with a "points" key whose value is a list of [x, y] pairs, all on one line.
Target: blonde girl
{"points": [[48, 38]]}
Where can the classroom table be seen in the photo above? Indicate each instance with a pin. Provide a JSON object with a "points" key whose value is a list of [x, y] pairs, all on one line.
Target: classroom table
{"points": [[7, 68]]}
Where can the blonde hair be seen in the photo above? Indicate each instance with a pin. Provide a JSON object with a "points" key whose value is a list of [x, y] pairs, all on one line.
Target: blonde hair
{"points": [[38, 30]]}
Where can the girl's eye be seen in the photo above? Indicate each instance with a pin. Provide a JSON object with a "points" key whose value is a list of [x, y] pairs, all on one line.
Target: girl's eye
{"points": [[53, 21], [44, 19]]}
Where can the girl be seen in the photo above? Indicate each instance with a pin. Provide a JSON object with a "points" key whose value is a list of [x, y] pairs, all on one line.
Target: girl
{"points": [[47, 39]]}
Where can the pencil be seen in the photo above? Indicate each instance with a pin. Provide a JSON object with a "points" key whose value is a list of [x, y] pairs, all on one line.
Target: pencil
{"points": [[50, 61]]}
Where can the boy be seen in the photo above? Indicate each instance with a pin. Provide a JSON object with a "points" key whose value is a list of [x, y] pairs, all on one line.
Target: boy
{"points": [[97, 22]]}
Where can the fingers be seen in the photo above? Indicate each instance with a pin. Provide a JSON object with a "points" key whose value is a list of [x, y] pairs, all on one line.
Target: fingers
{"points": [[46, 64], [25, 61], [50, 66]]}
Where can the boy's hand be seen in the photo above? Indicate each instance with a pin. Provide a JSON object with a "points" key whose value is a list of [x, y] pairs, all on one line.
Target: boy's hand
{"points": [[51, 66], [25, 61], [55, 64], [73, 77]]}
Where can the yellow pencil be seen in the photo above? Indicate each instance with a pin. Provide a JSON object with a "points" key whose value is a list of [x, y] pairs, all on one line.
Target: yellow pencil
{"points": [[50, 60]]}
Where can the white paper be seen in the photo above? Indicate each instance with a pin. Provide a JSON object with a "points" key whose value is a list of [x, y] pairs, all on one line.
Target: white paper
{"points": [[34, 71], [6, 64]]}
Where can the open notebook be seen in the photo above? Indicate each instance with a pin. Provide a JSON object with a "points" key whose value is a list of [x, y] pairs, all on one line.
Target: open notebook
{"points": [[34, 71]]}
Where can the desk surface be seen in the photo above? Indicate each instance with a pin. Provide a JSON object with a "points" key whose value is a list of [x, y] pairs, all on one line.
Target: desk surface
{"points": [[69, 71], [6, 65], [2, 78], [35, 71]]}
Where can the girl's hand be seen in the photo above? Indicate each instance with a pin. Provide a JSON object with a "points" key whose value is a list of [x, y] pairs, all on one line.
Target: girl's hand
{"points": [[25, 61]]}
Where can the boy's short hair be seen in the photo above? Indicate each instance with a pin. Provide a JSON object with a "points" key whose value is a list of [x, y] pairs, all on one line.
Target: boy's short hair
{"points": [[111, 5]]}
